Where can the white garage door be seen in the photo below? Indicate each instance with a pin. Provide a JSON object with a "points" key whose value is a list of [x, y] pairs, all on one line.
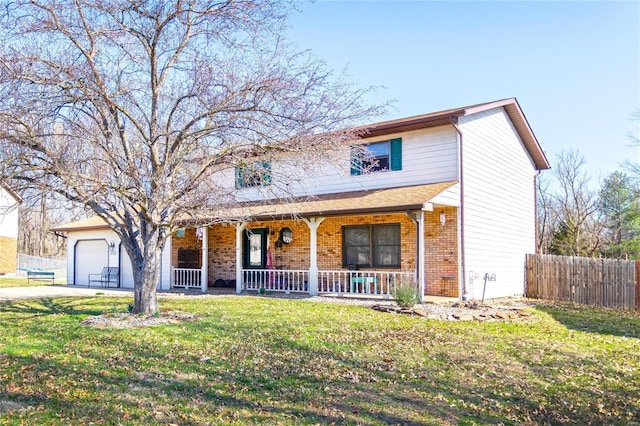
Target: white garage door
{"points": [[91, 257], [126, 271]]}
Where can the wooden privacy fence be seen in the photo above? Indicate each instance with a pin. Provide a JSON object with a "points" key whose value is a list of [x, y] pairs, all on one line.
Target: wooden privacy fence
{"points": [[609, 283]]}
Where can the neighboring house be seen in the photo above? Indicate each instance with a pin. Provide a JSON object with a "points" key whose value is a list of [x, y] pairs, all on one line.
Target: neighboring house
{"points": [[450, 202], [9, 201]]}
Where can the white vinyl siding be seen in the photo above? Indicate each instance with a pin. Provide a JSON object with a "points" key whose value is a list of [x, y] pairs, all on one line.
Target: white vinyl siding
{"points": [[499, 204], [428, 156], [448, 197], [8, 215]]}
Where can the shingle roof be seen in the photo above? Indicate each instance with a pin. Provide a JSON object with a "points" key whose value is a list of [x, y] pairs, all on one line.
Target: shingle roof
{"points": [[354, 202], [441, 118], [94, 222], [343, 203]]}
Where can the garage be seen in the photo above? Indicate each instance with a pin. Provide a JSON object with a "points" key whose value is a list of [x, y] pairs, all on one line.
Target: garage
{"points": [[90, 257]]}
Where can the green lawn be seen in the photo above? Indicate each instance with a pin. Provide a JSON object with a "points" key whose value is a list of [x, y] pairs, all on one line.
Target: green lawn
{"points": [[276, 361], [23, 282]]}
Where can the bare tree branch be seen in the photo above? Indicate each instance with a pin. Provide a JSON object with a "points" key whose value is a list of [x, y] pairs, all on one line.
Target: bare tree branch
{"points": [[135, 109]]}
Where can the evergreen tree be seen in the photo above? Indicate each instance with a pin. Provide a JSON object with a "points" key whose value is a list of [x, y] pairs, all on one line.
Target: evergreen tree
{"points": [[620, 207]]}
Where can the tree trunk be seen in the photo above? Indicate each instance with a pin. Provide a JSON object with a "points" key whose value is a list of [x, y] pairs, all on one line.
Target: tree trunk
{"points": [[146, 276]]}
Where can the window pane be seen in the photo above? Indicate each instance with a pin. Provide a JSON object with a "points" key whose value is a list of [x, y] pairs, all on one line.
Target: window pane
{"points": [[376, 164], [255, 250], [358, 256], [377, 156], [257, 174], [386, 235], [378, 149], [387, 256], [382, 164], [356, 236]]}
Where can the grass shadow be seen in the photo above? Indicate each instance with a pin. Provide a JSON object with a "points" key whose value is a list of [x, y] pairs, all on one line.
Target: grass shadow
{"points": [[60, 305], [604, 321]]}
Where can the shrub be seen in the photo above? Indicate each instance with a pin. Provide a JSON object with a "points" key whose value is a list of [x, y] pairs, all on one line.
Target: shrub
{"points": [[406, 295]]}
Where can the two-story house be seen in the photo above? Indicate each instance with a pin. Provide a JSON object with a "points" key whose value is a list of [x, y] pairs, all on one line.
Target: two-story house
{"points": [[445, 200], [9, 201]]}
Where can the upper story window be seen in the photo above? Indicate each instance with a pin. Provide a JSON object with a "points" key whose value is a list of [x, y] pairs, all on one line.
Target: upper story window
{"points": [[377, 156], [370, 246], [252, 175]]}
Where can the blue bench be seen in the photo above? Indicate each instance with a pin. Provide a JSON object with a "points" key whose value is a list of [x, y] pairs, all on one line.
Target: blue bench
{"points": [[41, 276], [364, 285]]}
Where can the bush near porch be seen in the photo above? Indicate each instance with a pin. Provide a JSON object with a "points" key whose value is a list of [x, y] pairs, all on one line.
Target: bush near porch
{"points": [[278, 361]]}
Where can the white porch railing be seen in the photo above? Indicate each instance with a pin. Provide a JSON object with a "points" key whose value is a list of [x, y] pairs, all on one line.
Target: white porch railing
{"points": [[187, 278], [373, 283], [289, 281]]}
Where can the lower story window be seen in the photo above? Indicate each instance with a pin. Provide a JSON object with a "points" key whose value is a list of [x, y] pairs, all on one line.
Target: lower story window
{"points": [[370, 246]]}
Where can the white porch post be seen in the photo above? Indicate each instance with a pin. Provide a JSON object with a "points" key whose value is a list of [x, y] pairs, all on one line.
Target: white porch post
{"points": [[420, 238], [204, 278], [239, 228], [313, 224]]}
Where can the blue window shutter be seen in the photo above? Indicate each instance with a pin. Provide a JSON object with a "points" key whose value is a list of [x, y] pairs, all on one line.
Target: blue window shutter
{"points": [[356, 161], [238, 178], [395, 162], [266, 174]]}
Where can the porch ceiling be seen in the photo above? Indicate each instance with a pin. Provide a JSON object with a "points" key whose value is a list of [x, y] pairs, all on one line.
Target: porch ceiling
{"points": [[355, 202]]}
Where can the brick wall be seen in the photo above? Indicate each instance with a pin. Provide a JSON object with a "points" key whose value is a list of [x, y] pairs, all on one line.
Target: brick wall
{"points": [[8, 255], [441, 250], [189, 241]]}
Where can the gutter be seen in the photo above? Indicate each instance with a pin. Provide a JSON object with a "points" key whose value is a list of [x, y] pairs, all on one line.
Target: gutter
{"points": [[461, 254]]}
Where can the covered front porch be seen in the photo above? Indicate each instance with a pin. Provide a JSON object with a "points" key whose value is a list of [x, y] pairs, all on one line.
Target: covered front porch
{"points": [[366, 251], [339, 283]]}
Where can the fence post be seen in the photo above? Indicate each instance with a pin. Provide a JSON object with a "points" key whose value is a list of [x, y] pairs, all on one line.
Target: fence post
{"points": [[638, 285]]}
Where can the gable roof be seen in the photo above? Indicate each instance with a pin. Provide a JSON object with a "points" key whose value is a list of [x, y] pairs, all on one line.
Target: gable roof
{"points": [[12, 193], [94, 222], [442, 118]]}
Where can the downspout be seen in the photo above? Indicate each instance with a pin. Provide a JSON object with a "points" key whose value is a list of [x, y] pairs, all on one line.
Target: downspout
{"points": [[535, 211], [463, 279]]}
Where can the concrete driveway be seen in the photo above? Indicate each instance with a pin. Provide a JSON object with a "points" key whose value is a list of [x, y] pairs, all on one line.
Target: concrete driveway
{"points": [[45, 291]]}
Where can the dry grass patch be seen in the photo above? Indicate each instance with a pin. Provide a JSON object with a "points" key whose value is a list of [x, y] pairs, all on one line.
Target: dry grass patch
{"points": [[129, 320]]}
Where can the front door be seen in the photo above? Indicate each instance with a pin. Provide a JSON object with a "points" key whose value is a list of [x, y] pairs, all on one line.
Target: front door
{"points": [[255, 248]]}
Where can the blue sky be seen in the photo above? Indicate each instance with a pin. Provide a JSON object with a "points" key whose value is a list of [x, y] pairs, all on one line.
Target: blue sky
{"points": [[573, 66]]}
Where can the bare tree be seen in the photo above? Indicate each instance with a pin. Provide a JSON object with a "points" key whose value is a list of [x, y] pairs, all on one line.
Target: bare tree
{"points": [[578, 229], [39, 212], [132, 108], [633, 167], [547, 214]]}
